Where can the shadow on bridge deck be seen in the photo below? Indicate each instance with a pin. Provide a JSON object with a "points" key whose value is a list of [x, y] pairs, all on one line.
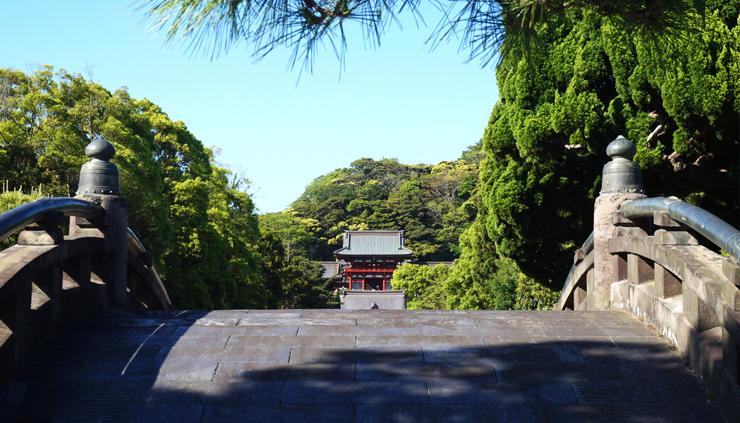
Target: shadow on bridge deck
{"points": [[363, 366]]}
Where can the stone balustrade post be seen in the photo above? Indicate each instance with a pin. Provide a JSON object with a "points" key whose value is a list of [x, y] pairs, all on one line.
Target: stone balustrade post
{"points": [[621, 181], [99, 183]]}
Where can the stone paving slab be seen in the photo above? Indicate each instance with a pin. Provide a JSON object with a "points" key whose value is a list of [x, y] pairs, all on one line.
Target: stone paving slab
{"points": [[340, 341], [432, 413], [242, 392], [246, 330], [356, 366], [354, 392], [354, 330], [282, 414], [423, 371], [420, 341]]}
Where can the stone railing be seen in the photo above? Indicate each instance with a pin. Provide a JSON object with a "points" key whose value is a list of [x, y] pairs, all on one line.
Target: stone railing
{"points": [[669, 263], [49, 279], [576, 283]]}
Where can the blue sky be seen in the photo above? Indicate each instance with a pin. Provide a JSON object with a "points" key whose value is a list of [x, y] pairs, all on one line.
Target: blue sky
{"points": [[399, 100]]}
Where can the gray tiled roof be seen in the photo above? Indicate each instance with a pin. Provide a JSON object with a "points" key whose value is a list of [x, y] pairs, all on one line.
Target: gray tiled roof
{"points": [[373, 243], [331, 268]]}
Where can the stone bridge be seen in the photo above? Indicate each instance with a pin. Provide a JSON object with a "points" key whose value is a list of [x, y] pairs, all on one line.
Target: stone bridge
{"points": [[650, 333]]}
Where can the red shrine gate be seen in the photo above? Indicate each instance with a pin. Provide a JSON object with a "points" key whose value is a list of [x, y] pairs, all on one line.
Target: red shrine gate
{"points": [[368, 259]]}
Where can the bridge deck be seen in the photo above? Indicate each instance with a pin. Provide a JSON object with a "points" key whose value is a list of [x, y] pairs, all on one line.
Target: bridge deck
{"points": [[365, 366]]}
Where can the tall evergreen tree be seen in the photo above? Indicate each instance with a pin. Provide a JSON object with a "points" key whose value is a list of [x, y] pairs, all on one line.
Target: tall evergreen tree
{"points": [[559, 107], [193, 216]]}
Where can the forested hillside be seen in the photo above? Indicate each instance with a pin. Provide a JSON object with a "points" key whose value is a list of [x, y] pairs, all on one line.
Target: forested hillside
{"points": [[433, 204]]}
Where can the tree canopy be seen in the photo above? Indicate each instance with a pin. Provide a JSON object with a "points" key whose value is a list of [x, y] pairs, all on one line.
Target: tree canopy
{"points": [[431, 203]]}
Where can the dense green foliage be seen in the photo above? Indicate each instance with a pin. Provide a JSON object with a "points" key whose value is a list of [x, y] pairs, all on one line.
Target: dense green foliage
{"points": [[437, 287], [423, 285], [194, 217], [561, 103], [293, 279], [431, 203], [13, 199]]}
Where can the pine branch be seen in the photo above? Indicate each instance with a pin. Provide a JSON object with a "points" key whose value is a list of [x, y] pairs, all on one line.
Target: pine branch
{"points": [[486, 28]]}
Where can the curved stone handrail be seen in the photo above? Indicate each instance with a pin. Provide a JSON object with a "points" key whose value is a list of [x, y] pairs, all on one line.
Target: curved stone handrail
{"points": [[708, 225], [588, 244], [43, 216], [583, 263], [47, 209], [145, 268], [682, 268]]}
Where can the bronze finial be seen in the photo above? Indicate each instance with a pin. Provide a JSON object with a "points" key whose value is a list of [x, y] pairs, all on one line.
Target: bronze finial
{"points": [[621, 174], [99, 176]]}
